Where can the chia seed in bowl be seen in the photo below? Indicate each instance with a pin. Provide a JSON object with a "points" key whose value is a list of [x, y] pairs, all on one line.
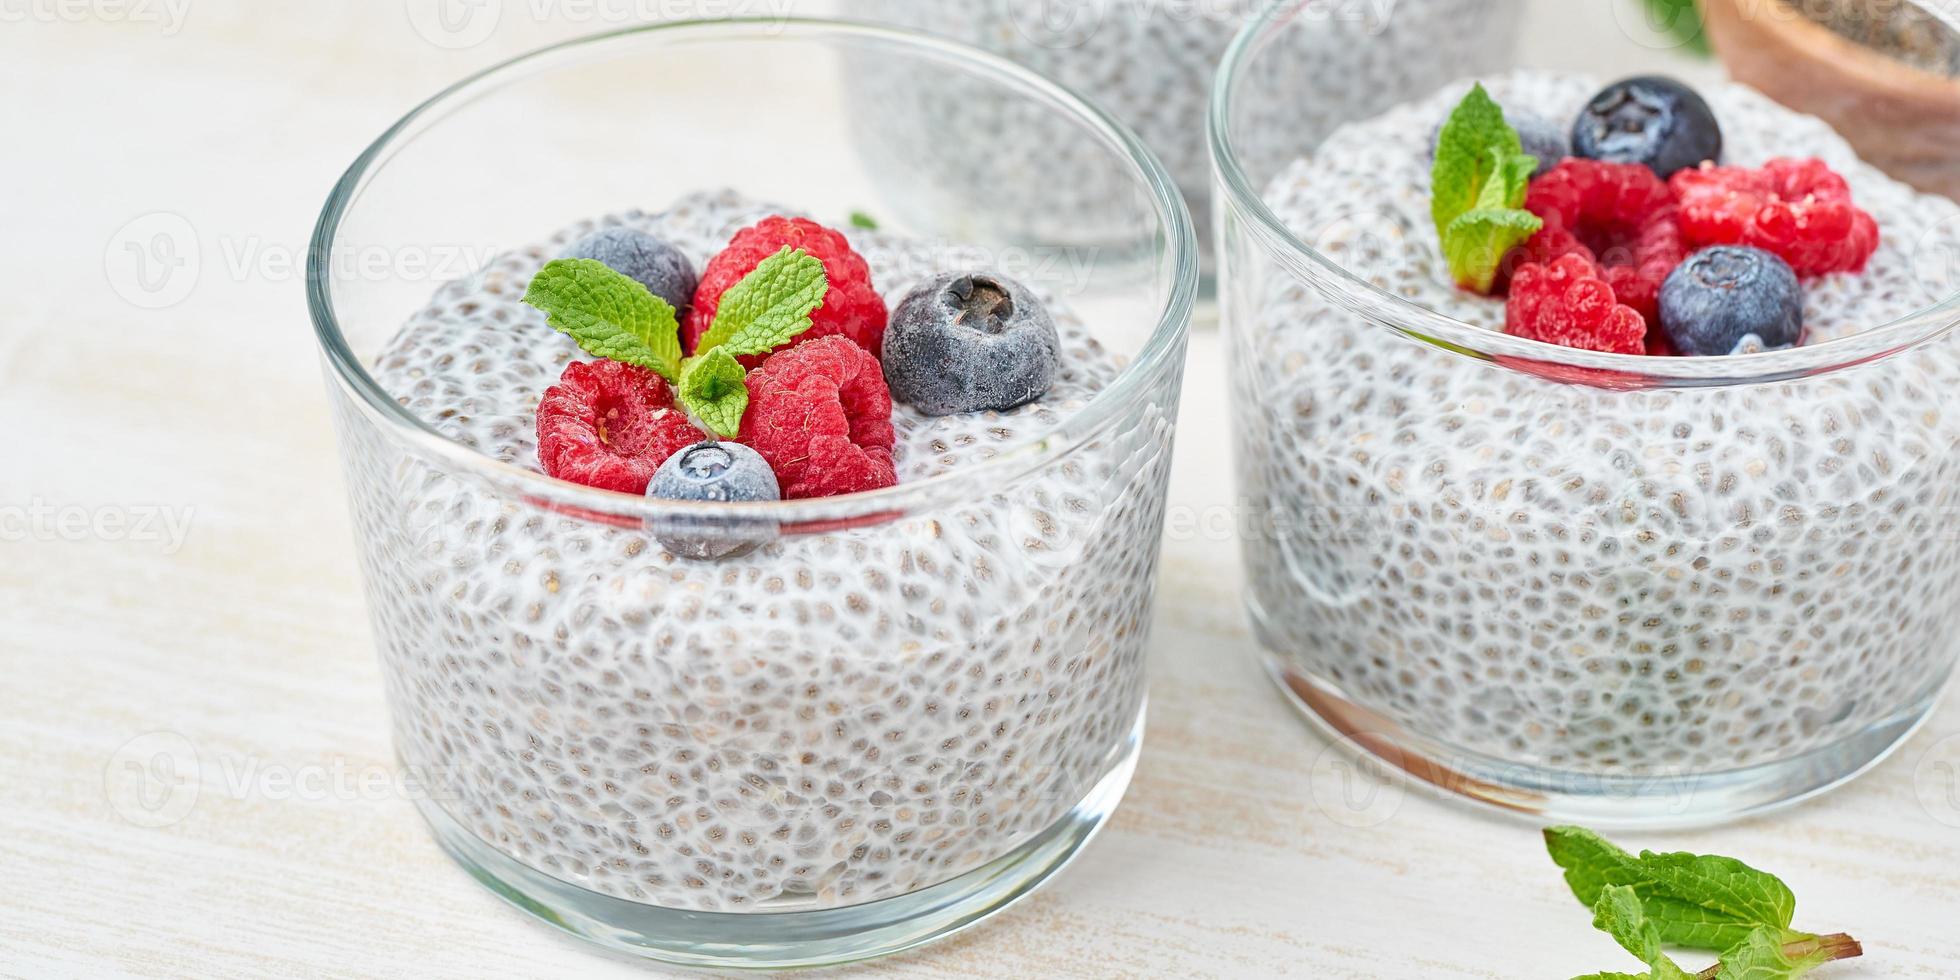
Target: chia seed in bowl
{"points": [[1561, 596]]}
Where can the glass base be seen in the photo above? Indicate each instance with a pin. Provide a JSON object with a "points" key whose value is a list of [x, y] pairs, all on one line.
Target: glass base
{"points": [[1540, 795], [779, 940]]}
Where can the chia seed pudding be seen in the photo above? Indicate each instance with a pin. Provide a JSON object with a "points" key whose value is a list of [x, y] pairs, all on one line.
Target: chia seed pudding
{"points": [[832, 718], [1595, 581], [1150, 63]]}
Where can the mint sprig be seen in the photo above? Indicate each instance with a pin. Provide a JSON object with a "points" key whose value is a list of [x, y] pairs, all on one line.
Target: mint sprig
{"points": [[1477, 191], [769, 307], [609, 315], [1693, 901], [613, 316], [714, 388]]}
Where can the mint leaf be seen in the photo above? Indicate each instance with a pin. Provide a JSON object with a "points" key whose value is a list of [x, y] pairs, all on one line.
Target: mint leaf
{"points": [[1763, 957], [1618, 913], [1477, 241], [714, 389], [608, 314], [1698, 902], [1463, 155], [861, 220], [769, 307], [1766, 955], [1477, 191]]}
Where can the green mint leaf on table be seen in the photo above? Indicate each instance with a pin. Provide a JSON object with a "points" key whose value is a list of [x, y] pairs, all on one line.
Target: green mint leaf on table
{"points": [[1697, 902], [715, 389], [1765, 955], [861, 220], [1648, 901], [609, 315], [1477, 191], [769, 307], [1618, 913]]}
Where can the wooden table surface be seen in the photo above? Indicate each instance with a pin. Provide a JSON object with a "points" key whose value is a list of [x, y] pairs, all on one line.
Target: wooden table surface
{"points": [[193, 748]]}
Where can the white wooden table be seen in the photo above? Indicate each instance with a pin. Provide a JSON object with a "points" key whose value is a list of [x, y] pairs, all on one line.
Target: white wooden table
{"points": [[194, 768]]}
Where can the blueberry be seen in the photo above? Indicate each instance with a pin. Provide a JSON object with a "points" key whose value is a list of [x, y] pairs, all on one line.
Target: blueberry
{"points": [[714, 472], [1652, 120], [1732, 299], [658, 266], [1542, 138], [970, 343]]}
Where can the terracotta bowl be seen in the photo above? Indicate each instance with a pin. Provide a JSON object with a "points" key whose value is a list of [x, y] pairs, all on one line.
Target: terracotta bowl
{"points": [[1901, 118]]}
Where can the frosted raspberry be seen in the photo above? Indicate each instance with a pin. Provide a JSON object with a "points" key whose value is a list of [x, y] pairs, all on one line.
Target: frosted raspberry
{"points": [[821, 415], [1569, 304], [1619, 216], [610, 425], [851, 309], [1800, 210]]}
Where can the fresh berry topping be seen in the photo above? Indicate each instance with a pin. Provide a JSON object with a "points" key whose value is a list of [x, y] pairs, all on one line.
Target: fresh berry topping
{"points": [[610, 425], [970, 343], [1650, 120], [820, 414], [1799, 209], [851, 309], [717, 472], [1619, 216], [1732, 299], [722, 472], [1569, 304], [1546, 141], [658, 266]]}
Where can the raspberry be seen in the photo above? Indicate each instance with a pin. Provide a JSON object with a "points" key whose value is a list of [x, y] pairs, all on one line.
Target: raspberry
{"points": [[1569, 304], [1800, 210], [1619, 216], [851, 309], [610, 425], [821, 415]]}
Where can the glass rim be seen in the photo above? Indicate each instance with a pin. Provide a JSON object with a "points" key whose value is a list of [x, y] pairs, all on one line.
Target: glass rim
{"points": [[1131, 384], [1451, 335]]}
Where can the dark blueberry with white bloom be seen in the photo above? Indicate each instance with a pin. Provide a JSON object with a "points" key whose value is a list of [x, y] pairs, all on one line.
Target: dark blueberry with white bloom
{"points": [[653, 263], [714, 472], [1732, 299], [1544, 139], [1652, 120], [970, 343]]}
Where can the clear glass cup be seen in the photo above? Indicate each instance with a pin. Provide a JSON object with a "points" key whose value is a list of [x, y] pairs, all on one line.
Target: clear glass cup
{"points": [[899, 713], [1150, 63], [1622, 590]]}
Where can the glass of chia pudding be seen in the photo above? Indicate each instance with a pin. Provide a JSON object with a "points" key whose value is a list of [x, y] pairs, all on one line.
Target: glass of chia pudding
{"points": [[1599, 431], [755, 583], [1150, 63]]}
